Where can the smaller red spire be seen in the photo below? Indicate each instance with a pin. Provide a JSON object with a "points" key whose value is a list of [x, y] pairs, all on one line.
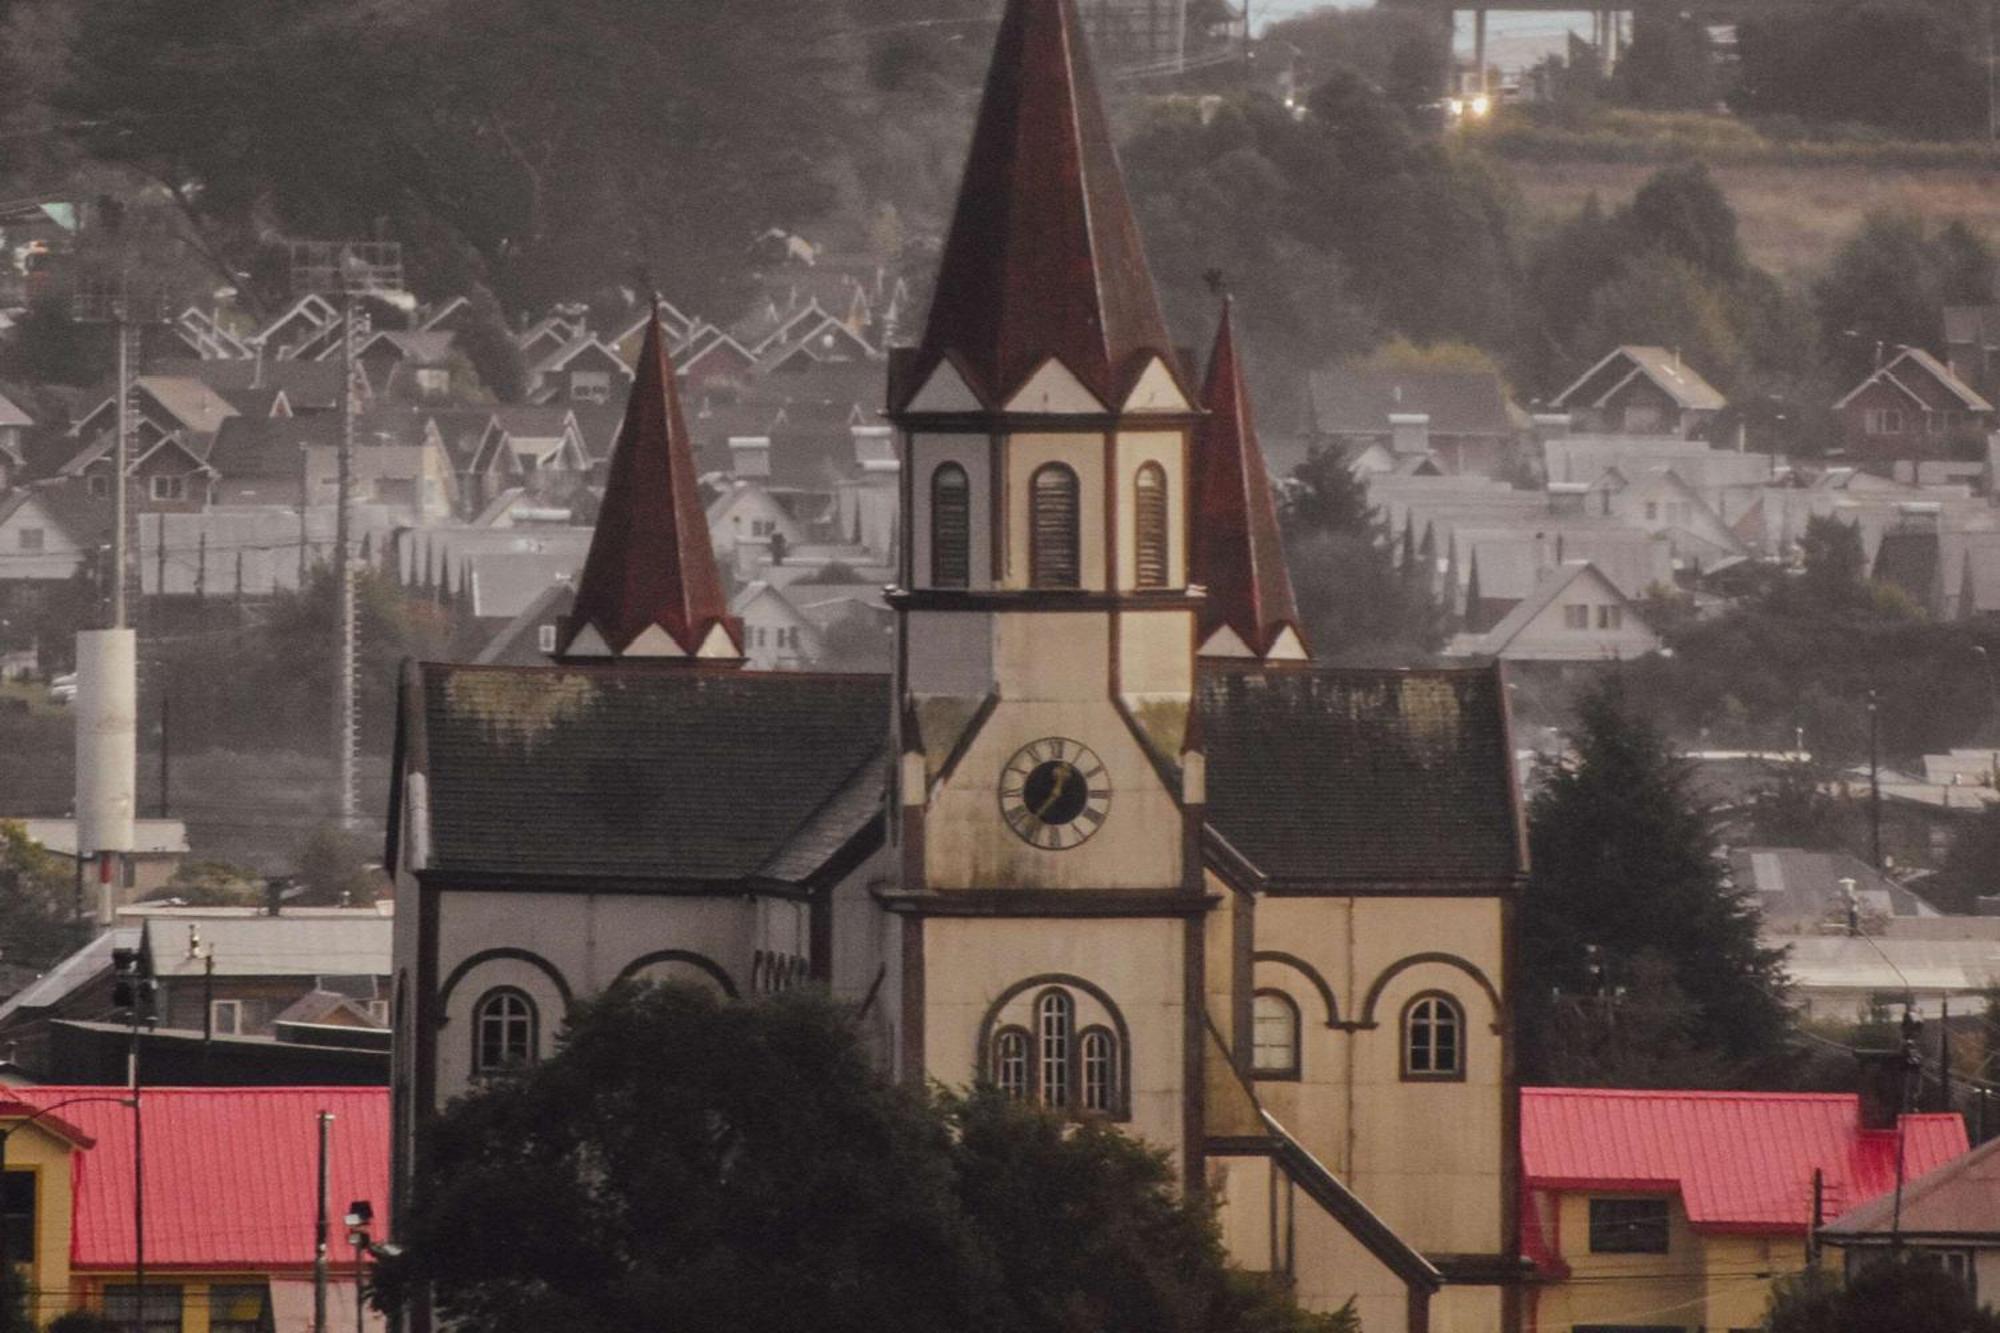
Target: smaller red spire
{"points": [[651, 570], [1237, 554]]}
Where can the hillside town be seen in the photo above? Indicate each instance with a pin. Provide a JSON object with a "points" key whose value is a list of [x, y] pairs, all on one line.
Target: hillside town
{"points": [[1053, 756]]}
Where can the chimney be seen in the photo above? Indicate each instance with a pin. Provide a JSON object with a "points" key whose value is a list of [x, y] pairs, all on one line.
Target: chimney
{"points": [[1552, 425], [1409, 432], [1881, 1088], [274, 897], [750, 456]]}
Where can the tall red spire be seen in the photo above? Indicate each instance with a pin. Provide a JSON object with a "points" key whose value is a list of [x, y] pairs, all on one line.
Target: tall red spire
{"points": [[650, 587], [1236, 552], [1044, 257]]}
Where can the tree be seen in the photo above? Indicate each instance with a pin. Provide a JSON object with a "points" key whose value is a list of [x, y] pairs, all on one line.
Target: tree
{"points": [[1357, 604], [743, 1167], [334, 869], [1834, 564], [1670, 64], [1887, 287], [37, 895], [1625, 872], [1910, 66], [1889, 1295]]}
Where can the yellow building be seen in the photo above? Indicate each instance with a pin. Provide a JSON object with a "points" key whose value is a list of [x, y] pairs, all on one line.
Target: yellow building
{"points": [[1678, 1210]]}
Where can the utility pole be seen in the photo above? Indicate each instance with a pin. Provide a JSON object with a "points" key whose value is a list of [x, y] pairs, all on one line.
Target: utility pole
{"points": [[319, 1231], [352, 269], [1874, 782]]}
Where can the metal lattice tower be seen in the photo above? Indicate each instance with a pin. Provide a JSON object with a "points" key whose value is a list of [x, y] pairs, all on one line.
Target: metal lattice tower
{"points": [[350, 269]]}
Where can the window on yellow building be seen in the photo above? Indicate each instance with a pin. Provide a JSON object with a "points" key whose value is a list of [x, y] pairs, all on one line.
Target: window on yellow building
{"points": [[17, 1215], [162, 1308], [239, 1308], [1628, 1226]]}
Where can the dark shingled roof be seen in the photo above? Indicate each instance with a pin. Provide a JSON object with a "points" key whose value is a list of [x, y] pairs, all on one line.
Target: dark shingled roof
{"points": [[696, 776], [1383, 777]]}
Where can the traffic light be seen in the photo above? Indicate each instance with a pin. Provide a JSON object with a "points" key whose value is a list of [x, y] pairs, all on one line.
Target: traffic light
{"points": [[132, 983]]}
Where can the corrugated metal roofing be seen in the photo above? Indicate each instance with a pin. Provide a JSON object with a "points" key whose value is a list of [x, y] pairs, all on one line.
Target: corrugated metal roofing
{"points": [[1740, 1161], [230, 1173]]}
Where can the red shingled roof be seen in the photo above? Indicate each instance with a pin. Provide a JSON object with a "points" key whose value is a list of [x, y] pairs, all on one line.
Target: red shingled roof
{"points": [[229, 1173], [1237, 555], [1044, 258], [1740, 1161], [650, 561]]}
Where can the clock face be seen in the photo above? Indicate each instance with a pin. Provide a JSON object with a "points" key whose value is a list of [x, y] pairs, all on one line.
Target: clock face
{"points": [[1054, 793]]}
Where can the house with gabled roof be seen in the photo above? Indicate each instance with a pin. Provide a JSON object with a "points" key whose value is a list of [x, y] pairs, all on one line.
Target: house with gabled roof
{"points": [[49, 531], [164, 405], [253, 386], [582, 370], [1948, 1217], [1463, 418], [548, 334], [1912, 406], [302, 322], [1641, 391], [1573, 615], [1690, 1205], [412, 366], [14, 423]]}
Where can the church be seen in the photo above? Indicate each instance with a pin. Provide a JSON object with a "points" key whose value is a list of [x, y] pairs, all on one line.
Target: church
{"points": [[1106, 837]]}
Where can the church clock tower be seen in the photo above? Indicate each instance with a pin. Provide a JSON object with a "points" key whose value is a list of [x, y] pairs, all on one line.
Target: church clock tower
{"points": [[1050, 784]]}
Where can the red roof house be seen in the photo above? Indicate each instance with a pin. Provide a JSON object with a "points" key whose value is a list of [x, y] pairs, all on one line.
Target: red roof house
{"points": [[1692, 1202], [230, 1190]]}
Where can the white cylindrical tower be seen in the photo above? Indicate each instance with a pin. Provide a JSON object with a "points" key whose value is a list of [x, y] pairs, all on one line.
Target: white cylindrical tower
{"points": [[107, 739]]}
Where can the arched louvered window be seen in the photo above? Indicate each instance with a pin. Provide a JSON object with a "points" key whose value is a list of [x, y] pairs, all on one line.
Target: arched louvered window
{"points": [[503, 1032], [1055, 1019], [1054, 561], [1274, 1035], [1010, 1061], [951, 527], [1150, 522], [1098, 1056]]}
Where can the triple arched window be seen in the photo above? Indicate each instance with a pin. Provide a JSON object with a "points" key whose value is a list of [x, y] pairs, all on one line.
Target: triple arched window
{"points": [[951, 527], [1054, 557], [1149, 512], [1055, 1063], [504, 1032], [1433, 1037]]}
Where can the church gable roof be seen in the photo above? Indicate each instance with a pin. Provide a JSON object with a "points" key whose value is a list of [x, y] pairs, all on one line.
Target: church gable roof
{"points": [[1043, 258], [663, 778], [1360, 778]]}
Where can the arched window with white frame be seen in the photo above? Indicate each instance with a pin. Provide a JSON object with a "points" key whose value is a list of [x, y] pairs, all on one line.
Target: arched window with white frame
{"points": [[1055, 1024], [504, 1032], [1149, 515], [1433, 1038], [1274, 1035], [1012, 1056]]}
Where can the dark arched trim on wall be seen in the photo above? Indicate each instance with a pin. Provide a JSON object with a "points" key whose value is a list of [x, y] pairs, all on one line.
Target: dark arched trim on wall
{"points": [[991, 1021], [1403, 965], [534, 960], [1309, 972], [694, 960]]}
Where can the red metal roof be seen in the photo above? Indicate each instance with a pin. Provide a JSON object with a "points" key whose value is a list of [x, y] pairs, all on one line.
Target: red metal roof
{"points": [[1237, 555], [230, 1174], [1044, 257], [1740, 1161], [650, 561]]}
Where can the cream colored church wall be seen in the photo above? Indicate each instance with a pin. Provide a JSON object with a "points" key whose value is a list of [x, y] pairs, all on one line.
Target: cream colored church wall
{"points": [[967, 843], [1083, 453], [1467, 1310], [1427, 1156], [973, 453], [1156, 655], [1250, 1196], [602, 935], [951, 653], [970, 962], [1329, 1266], [1054, 655], [1135, 450]]}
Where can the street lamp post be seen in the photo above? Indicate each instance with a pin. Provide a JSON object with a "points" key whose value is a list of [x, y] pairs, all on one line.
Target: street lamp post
{"points": [[360, 1214]]}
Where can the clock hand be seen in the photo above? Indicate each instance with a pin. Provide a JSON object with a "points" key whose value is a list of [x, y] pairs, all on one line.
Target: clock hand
{"points": [[1055, 789]]}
